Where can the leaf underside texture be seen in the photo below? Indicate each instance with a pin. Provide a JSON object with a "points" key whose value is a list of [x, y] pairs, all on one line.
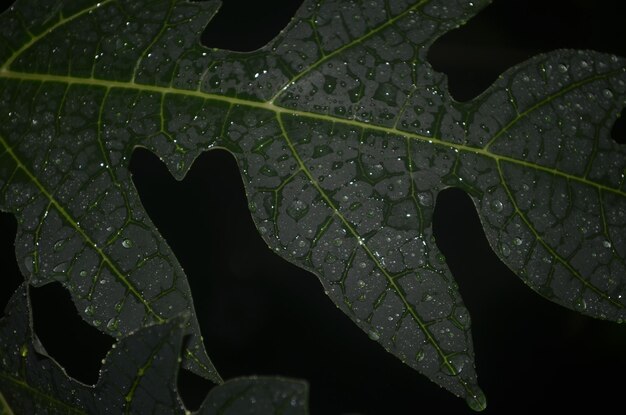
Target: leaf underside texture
{"points": [[344, 135]]}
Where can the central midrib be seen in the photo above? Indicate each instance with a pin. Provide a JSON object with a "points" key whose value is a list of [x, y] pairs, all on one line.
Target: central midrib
{"points": [[270, 106]]}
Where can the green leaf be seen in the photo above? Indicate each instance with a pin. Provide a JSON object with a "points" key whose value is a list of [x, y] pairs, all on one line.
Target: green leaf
{"points": [[64, 159], [5, 409], [344, 135], [257, 395], [137, 376]]}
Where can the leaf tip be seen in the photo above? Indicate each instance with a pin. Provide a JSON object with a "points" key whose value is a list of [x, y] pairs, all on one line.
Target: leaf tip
{"points": [[477, 400]]}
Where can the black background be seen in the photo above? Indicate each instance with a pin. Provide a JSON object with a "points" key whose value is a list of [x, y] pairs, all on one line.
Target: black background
{"points": [[262, 315]]}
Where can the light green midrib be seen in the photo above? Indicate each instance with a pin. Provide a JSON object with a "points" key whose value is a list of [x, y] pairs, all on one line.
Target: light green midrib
{"points": [[269, 106], [33, 391]]}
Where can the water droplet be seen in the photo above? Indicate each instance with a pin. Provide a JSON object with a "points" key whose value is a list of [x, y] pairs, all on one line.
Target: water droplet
{"points": [[581, 304], [455, 364], [477, 401], [362, 264], [24, 350], [361, 283], [606, 244], [28, 263], [497, 206], [373, 334], [58, 245], [89, 310], [127, 243], [607, 93], [83, 273], [505, 250], [517, 241], [112, 324], [562, 68], [462, 316], [297, 209], [425, 199]]}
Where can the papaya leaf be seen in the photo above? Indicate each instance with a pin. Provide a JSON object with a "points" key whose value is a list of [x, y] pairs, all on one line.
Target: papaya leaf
{"points": [[344, 135], [138, 376]]}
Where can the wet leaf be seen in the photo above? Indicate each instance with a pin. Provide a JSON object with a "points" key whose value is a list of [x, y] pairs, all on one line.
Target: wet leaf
{"points": [[138, 376], [344, 135]]}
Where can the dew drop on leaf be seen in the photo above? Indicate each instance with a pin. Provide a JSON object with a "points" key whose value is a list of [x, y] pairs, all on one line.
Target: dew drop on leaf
{"points": [[455, 364], [497, 206], [504, 248], [24, 350], [112, 324], [28, 263], [477, 401], [127, 243], [58, 245]]}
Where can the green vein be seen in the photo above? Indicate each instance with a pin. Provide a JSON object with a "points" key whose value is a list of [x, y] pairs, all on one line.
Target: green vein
{"points": [[128, 399], [354, 42], [70, 220], [390, 280], [269, 106], [41, 395], [551, 250], [61, 22], [546, 100], [4, 406]]}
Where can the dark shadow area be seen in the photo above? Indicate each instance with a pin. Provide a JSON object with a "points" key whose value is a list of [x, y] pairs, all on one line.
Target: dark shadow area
{"points": [[511, 31], [73, 343], [244, 26], [10, 275], [192, 389], [259, 314], [530, 352]]}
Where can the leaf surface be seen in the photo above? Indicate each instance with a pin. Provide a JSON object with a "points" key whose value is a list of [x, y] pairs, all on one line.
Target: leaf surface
{"points": [[138, 376], [344, 135]]}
